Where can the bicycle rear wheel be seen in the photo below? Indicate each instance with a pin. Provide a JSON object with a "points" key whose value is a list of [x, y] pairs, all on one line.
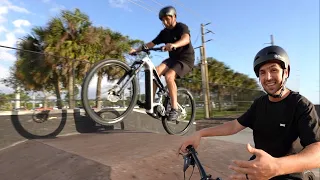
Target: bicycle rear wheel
{"points": [[187, 112], [109, 92]]}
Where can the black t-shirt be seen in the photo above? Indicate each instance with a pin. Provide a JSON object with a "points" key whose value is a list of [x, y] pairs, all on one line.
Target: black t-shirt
{"points": [[276, 125], [184, 53]]}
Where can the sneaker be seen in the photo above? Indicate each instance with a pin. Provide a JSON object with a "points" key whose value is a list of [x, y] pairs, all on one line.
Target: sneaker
{"points": [[173, 115]]}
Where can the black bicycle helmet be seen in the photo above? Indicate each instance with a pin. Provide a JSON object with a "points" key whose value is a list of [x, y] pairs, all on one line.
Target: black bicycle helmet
{"points": [[167, 11], [271, 53]]}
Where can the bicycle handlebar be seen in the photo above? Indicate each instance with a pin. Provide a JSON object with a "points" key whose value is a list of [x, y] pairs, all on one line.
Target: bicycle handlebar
{"points": [[147, 50], [153, 49], [192, 159]]}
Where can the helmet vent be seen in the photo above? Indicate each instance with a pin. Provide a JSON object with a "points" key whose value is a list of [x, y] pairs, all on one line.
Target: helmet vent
{"points": [[271, 53]]}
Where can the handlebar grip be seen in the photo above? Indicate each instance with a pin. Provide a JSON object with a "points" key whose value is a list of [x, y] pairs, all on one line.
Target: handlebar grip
{"points": [[190, 148]]}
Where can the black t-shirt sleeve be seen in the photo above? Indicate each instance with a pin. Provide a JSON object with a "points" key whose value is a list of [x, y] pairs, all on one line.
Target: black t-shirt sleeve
{"points": [[308, 123], [248, 117], [158, 39], [183, 29]]}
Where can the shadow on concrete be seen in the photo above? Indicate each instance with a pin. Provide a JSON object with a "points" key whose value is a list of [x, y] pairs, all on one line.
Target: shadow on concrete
{"points": [[51, 124], [39, 118], [84, 124]]}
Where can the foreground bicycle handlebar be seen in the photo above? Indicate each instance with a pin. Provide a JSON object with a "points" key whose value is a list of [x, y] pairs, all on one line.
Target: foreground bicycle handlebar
{"points": [[192, 159]]}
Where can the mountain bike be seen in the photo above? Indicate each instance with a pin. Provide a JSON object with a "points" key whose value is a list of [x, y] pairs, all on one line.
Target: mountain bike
{"points": [[115, 88]]}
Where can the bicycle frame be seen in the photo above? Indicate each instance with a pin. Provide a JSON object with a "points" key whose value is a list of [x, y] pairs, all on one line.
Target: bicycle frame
{"points": [[193, 154], [151, 75]]}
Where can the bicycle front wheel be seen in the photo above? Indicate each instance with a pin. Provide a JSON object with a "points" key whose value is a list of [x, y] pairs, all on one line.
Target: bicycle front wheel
{"points": [[186, 108], [109, 92]]}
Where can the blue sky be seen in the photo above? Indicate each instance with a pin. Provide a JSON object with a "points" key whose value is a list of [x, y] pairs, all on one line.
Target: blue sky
{"points": [[241, 28]]}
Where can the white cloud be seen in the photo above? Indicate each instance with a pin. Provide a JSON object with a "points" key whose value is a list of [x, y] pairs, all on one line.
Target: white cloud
{"points": [[6, 56], [18, 9], [4, 74], [21, 22], [3, 10], [57, 8], [7, 5], [4, 2], [3, 29], [19, 31], [10, 41], [2, 19], [120, 4], [54, 6]]}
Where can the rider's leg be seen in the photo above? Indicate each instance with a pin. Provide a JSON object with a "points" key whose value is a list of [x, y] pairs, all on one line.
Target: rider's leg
{"points": [[161, 70], [172, 87], [177, 69]]}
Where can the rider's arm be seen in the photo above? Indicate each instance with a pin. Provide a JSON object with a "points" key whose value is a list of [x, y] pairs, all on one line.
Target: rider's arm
{"points": [[225, 129], [185, 39], [309, 134], [308, 158], [232, 127], [185, 36]]}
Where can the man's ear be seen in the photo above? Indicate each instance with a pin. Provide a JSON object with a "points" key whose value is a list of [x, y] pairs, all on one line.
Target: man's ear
{"points": [[286, 73]]}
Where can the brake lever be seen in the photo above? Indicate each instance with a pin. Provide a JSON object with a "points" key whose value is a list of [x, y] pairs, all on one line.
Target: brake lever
{"points": [[188, 160], [133, 54]]}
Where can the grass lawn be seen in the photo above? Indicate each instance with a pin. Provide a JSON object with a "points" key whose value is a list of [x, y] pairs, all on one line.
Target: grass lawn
{"points": [[200, 114]]}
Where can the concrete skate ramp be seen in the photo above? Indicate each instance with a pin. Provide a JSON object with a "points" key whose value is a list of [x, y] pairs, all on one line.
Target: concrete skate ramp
{"points": [[19, 126], [113, 155]]}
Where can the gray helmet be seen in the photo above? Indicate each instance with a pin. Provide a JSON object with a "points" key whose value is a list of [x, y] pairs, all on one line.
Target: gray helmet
{"points": [[167, 11], [271, 53]]}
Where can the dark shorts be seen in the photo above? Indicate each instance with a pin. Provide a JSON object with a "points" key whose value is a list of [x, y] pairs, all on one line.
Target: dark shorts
{"points": [[181, 68]]}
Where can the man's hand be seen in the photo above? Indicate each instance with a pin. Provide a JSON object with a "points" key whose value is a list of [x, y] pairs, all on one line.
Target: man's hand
{"points": [[169, 47], [133, 51], [193, 140], [264, 166]]}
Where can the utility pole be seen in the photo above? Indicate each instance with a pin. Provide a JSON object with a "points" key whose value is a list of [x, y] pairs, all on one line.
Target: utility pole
{"points": [[204, 84], [272, 40], [204, 72]]}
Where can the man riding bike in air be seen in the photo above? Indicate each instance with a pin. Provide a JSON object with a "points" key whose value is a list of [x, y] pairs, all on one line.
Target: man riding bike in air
{"points": [[277, 119], [176, 37]]}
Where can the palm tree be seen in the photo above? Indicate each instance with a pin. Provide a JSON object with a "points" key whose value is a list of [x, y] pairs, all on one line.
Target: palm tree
{"points": [[31, 69], [64, 39]]}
